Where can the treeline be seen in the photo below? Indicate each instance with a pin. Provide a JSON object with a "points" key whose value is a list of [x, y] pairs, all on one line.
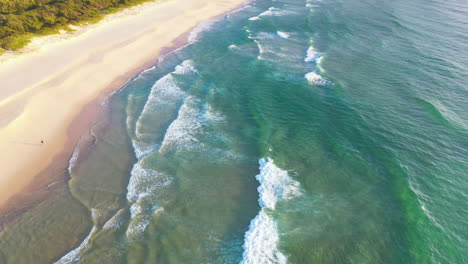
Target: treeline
{"points": [[12, 6], [19, 19]]}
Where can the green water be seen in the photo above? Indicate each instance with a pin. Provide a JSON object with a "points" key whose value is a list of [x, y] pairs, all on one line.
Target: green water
{"points": [[286, 132]]}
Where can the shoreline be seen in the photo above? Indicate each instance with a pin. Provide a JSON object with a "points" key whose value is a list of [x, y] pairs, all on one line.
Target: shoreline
{"points": [[86, 116], [71, 31], [94, 113]]}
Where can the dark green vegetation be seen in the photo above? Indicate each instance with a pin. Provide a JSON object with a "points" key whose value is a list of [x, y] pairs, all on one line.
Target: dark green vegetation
{"points": [[22, 19]]}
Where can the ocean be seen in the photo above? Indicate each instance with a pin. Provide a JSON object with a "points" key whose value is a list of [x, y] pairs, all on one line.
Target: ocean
{"points": [[287, 131]]}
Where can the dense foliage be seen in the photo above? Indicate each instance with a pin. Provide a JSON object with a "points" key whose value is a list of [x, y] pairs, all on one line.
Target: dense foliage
{"points": [[20, 18]]}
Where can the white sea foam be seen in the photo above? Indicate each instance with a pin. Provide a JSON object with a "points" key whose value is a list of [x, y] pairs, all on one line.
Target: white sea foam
{"points": [[272, 11], [261, 240], [315, 79], [211, 114], [181, 133], [318, 61], [138, 207], [137, 227], [116, 221], [145, 181], [275, 184], [262, 45], [271, 47], [193, 116], [140, 212], [311, 5], [166, 89], [284, 35], [143, 185], [260, 35], [165, 93], [207, 24], [142, 74], [140, 215], [74, 158], [315, 57], [139, 223], [141, 148], [149, 69], [261, 49], [185, 67], [312, 55], [96, 214], [74, 255], [191, 129], [421, 198], [200, 28], [130, 112]]}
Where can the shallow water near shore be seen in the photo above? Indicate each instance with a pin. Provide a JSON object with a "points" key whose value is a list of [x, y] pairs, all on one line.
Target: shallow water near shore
{"points": [[285, 132]]}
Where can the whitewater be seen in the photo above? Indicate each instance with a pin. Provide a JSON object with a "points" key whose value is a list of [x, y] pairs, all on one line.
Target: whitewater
{"points": [[285, 132]]}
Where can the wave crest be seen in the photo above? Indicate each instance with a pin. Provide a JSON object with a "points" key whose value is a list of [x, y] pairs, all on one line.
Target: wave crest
{"points": [[262, 239]]}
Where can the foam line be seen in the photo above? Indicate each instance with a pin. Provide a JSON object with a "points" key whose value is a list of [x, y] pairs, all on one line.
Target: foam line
{"points": [[262, 238]]}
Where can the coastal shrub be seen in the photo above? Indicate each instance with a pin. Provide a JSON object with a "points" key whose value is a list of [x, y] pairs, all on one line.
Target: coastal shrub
{"points": [[20, 18], [14, 43], [11, 6]]}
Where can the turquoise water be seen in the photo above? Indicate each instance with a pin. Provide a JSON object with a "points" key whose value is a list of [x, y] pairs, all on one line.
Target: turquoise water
{"points": [[290, 132], [301, 132]]}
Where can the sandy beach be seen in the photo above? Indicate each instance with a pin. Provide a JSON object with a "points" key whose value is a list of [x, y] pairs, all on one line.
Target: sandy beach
{"points": [[44, 90]]}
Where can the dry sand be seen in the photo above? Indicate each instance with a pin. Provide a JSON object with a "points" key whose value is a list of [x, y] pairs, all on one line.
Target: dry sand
{"points": [[44, 90]]}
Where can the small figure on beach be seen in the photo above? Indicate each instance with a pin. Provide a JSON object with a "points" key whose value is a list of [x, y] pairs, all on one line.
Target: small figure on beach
{"points": [[42, 141]]}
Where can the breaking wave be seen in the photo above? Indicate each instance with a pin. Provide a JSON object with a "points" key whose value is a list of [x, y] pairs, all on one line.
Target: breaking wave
{"points": [[262, 238]]}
